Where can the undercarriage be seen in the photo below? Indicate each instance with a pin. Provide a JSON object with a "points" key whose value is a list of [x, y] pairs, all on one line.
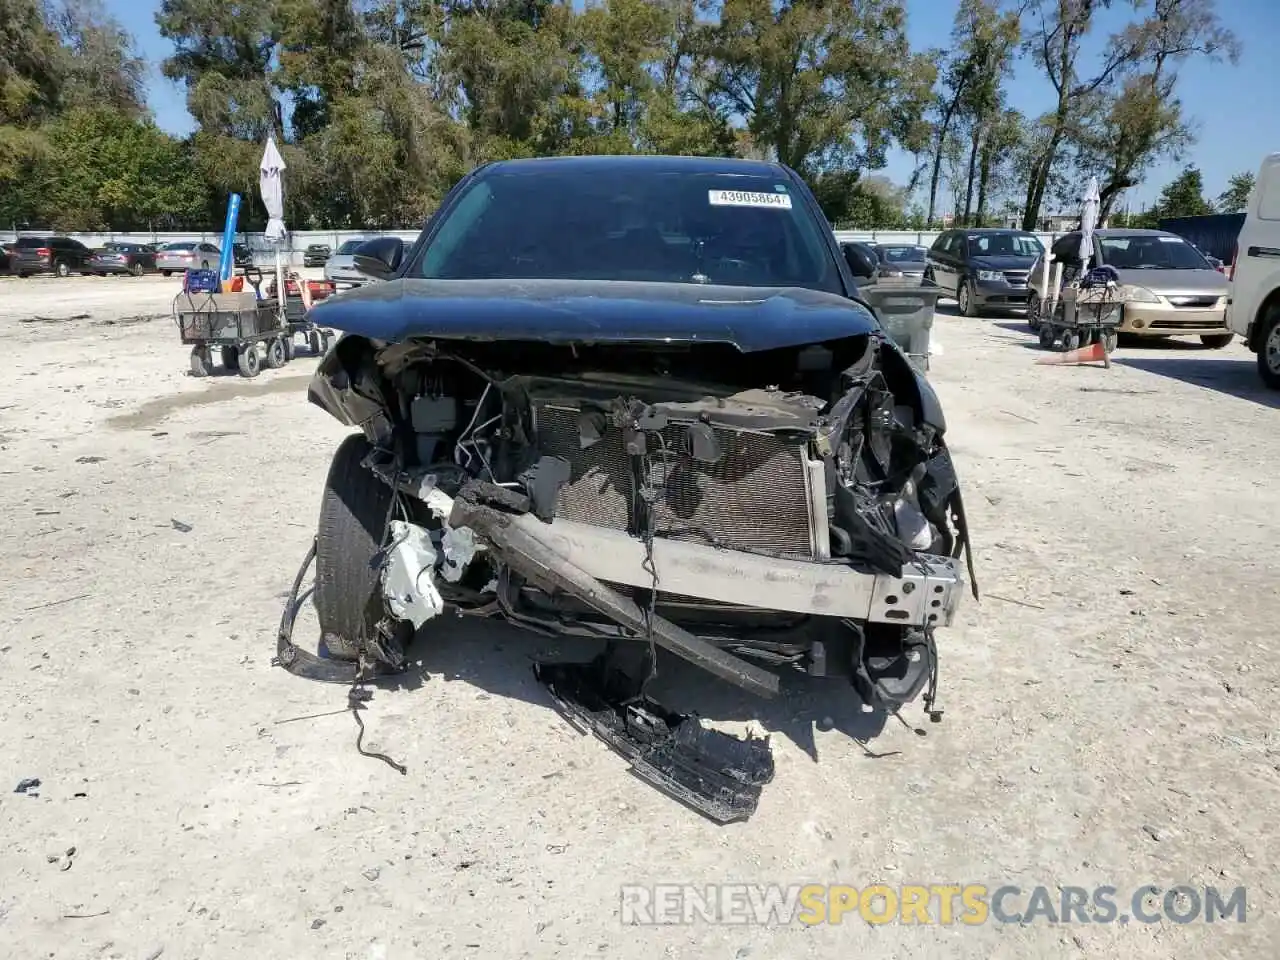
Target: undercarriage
{"points": [[792, 508]]}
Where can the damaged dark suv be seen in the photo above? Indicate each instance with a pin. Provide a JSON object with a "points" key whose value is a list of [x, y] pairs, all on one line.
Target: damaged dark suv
{"points": [[636, 399]]}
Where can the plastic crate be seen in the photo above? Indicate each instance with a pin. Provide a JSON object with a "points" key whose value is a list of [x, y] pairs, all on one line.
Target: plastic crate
{"points": [[905, 309]]}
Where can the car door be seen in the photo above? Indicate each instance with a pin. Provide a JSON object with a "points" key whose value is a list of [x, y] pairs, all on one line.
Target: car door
{"points": [[942, 262]]}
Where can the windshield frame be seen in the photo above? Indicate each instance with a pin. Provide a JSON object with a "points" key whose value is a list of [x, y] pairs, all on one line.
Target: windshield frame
{"points": [[836, 270]]}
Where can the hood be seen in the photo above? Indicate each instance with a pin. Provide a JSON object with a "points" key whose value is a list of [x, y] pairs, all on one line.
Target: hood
{"points": [[1164, 282], [563, 311], [1004, 263], [342, 260]]}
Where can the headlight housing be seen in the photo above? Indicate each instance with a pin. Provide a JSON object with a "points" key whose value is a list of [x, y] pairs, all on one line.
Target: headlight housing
{"points": [[1140, 295], [990, 275]]}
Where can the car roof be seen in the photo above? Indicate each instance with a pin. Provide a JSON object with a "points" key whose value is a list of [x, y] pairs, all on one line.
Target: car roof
{"points": [[631, 163], [1128, 232], [991, 230]]}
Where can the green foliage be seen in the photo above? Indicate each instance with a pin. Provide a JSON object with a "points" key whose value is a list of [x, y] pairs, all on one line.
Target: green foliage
{"points": [[381, 106], [1236, 197]]}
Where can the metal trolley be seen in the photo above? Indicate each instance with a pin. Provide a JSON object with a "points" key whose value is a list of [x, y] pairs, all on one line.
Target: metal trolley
{"points": [[1084, 313], [236, 324]]}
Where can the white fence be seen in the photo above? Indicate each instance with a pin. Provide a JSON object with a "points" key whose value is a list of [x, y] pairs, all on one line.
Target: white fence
{"points": [[298, 240]]}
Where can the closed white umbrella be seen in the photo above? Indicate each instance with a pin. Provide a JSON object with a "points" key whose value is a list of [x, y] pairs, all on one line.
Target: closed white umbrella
{"points": [[271, 186], [1088, 222]]}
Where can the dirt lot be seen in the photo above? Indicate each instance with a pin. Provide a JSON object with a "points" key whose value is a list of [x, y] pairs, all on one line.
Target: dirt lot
{"points": [[1108, 715]]}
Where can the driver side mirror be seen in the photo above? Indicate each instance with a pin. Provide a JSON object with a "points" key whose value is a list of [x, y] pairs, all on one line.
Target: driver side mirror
{"points": [[860, 262], [379, 258]]}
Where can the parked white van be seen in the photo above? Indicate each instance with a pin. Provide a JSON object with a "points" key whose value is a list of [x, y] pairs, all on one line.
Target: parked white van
{"points": [[1253, 308]]}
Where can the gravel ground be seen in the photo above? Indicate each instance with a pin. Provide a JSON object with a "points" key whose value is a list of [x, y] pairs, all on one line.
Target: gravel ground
{"points": [[1106, 703]]}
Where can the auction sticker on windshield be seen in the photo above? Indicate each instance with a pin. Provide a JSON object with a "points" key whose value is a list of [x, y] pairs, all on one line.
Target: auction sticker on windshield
{"points": [[742, 198]]}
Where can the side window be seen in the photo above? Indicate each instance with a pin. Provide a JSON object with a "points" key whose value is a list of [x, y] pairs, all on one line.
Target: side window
{"points": [[941, 243], [958, 246], [1269, 193]]}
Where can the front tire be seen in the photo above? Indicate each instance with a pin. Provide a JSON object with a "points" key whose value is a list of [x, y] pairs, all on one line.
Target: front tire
{"points": [[61, 269], [964, 297], [1033, 312], [248, 361], [1269, 349], [353, 515], [1216, 341]]}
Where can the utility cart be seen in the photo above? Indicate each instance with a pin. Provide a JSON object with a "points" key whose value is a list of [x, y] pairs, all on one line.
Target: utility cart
{"points": [[233, 324], [1086, 312], [297, 312]]}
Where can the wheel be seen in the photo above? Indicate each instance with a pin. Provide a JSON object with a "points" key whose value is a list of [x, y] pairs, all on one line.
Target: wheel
{"points": [[1046, 336], [276, 357], [1071, 340], [230, 358], [167, 273], [289, 351], [136, 269], [327, 340], [353, 513], [316, 342], [1216, 341], [200, 362], [1033, 312], [1269, 349], [964, 297], [248, 362], [61, 269], [1110, 340]]}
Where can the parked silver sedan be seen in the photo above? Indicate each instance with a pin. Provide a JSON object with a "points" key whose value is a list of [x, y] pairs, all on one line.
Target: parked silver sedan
{"points": [[187, 255], [341, 267], [1168, 287]]}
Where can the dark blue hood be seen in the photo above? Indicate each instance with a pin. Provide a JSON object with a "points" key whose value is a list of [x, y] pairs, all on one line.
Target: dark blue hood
{"points": [[562, 311]]}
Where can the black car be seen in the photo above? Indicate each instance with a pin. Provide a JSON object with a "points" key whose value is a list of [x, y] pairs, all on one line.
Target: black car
{"points": [[316, 254], [907, 260], [119, 257], [243, 257], [60, 255], [634, 399], [984, 268]]}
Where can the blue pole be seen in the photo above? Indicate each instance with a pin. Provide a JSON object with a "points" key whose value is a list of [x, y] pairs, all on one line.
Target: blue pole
{"points": [[226, 266]]}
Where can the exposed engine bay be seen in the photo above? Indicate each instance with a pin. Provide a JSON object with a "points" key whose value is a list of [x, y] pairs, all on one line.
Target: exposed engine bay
{"points": [[792, 507]]}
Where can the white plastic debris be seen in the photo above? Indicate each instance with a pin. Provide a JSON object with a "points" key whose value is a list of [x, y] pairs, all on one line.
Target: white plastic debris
{"points": [[408, 575], [459, 548]]}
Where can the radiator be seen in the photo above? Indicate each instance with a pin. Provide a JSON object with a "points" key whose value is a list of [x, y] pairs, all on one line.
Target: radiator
{"points": [[761, 495]]}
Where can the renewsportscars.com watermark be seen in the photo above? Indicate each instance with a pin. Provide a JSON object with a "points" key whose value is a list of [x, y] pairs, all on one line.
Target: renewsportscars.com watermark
{"points": [[924, 904]]}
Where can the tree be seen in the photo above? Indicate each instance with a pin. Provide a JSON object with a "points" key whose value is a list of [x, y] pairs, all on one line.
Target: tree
{"points": [[1184, 196], [1055, 43], [1142, 121], [822, 85], [985, 41], [1235, 199]]}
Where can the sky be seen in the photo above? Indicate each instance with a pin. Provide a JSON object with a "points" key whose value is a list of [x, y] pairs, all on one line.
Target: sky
{"points": [[1235, 109]]}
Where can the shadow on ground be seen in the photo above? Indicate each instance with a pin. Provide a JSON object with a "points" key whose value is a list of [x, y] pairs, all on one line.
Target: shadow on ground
{"points": [[498, 658], [1233, 376]]}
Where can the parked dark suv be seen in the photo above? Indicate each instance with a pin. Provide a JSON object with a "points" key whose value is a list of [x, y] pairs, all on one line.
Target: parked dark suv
{"points": [[60, 255], [984, 268]]}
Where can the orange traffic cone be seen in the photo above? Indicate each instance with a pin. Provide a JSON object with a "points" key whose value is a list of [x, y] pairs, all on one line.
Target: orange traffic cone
{"points": [[1090, 354]]}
